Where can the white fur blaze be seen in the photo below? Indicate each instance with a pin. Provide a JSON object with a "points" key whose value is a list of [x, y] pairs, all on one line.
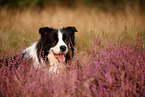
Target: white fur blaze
{"points": [[56, 49]]}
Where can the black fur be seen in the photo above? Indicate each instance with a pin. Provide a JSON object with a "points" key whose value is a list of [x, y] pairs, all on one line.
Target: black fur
{"points": [[48, 39]]}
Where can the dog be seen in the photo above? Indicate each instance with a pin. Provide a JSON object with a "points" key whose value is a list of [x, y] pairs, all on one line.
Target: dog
{"points": [[54, 49]]}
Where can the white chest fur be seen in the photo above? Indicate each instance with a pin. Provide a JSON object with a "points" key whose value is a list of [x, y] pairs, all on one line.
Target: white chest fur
{"points": [[55, 65]]}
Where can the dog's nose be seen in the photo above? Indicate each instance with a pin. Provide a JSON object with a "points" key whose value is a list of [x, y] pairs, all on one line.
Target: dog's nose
{"points": [[63, 48]]}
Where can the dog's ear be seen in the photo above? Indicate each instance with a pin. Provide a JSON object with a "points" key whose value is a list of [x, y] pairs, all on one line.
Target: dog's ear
{"points": [[45, 30], [71, 29]]}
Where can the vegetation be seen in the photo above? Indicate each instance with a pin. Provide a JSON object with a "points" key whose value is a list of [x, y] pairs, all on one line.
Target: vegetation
{"points": [[110, 71], [109, 57]]}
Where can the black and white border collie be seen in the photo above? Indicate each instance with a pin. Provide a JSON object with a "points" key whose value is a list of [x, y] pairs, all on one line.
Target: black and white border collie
{"points": [[55, 47]]}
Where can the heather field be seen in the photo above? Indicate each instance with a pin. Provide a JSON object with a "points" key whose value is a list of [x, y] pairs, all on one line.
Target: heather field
{"points": [[109, 58]]}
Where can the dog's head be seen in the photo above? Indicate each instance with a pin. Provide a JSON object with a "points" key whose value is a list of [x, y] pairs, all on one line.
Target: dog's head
{"points": [[59, 41]]}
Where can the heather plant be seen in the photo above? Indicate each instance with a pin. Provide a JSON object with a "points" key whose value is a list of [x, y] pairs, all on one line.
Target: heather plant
{"points": [[116, 69]]}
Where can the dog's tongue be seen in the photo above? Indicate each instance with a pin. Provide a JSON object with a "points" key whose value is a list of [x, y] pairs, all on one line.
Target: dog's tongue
{"points": [[61, 58]]}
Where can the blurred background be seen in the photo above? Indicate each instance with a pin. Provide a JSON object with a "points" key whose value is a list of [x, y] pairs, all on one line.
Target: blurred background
{"points": [[20, 20], [105, 5]]}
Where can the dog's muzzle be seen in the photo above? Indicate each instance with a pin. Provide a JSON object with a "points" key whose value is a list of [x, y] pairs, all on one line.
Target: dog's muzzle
{"points": [[61, 56]]}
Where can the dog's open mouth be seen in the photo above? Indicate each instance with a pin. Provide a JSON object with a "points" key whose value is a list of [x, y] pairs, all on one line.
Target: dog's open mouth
{"points": [[60, 57]]}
